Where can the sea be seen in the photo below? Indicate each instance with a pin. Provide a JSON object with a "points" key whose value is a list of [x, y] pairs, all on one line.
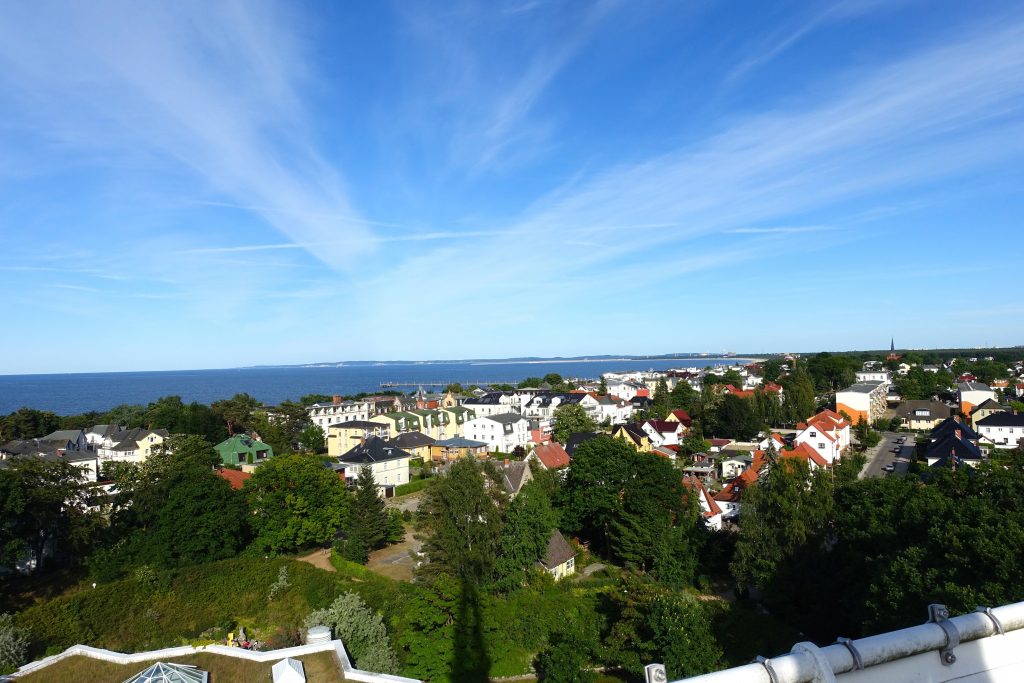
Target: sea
{"points": [[69, 394]]}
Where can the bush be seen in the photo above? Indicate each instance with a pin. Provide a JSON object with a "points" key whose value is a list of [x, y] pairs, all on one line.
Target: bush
{"points": [[361, 630], [13, 644]]}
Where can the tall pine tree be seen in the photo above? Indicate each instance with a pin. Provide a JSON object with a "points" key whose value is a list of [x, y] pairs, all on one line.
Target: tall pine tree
{"points": [[368, 520]]}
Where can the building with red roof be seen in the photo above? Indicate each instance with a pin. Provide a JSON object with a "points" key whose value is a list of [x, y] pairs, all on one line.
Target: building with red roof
{"points": [[551, 456], [710, 510], [680, 416], [827, 434], [236, 478]]}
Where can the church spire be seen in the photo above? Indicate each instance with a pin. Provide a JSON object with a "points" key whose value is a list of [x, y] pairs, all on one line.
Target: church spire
{"points": [[892, 344]]}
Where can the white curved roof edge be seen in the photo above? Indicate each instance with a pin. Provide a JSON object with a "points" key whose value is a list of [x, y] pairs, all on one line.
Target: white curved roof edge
{"points": [[989, 648]]}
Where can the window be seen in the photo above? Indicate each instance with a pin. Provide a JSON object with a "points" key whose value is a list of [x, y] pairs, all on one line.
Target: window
{"points": [[821, 445], [814, 434]]}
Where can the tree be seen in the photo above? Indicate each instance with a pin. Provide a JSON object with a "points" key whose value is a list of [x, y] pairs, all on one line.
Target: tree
{"points": [[651, 624], [428, 628], [45, 505], [771, 369], [780, 513], [830, 372], [368, 523], [569, 419], [312, 439], [296, 503], [566, 657], [460, 525], [236, 411], [181, 511], [662, 402], [799, 400], [530, 383], [310, 399], [361, 630], [602, 387], [736, 418], [554, 380], [14, 642], [656, 523], [590, 499], [27, 423], [529, 521], [684, 396]]}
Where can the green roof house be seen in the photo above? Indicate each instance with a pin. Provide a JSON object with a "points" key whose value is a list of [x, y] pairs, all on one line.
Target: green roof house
{"points": [[243, 450]]}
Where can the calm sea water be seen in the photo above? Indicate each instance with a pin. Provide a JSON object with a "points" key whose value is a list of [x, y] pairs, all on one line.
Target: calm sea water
{"points": [[79, 393]]}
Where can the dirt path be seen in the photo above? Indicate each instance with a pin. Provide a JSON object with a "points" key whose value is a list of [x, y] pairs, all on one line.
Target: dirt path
{"points": [[396, 561], [321, 559]]}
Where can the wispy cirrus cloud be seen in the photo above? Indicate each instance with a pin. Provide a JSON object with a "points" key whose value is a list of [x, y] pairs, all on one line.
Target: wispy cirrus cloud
{"points": [[782, 39], [214, 89], [950, 110], [492, 65]]}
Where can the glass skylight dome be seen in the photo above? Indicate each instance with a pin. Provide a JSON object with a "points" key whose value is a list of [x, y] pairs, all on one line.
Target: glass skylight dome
{"points": [[163, 672]]}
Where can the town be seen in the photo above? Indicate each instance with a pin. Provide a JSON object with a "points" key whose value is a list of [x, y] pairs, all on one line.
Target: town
{"points": [[674, 477]]}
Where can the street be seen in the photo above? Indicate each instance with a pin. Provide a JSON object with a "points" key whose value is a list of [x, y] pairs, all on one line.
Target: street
{"points": [[882, 455]]}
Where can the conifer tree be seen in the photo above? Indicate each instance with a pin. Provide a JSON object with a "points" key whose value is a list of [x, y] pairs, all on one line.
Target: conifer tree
{"points": [[368, 519]]}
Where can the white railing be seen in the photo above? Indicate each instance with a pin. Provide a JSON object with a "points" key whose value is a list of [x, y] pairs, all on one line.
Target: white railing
{"points": [[982, 646]]}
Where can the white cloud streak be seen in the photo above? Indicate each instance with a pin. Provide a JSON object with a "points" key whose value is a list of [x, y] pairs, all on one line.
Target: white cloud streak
{"points": [[214, 87], [951, 110]]}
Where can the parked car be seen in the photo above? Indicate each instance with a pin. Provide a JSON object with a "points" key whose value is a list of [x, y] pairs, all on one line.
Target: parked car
{"points": [[902, 439], [891, 467], [896, 449]]}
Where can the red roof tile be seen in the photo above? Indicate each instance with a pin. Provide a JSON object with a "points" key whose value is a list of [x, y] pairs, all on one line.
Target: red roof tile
{"points": [[234, 477], [552, 455]]}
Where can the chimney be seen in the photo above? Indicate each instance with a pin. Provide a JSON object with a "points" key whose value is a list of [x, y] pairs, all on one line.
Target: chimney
{"points": [[336, 399]]}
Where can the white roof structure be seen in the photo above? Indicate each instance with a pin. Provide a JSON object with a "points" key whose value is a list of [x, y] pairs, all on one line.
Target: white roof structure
{"points": [[288, 670], [164, 672], [984, 646]]}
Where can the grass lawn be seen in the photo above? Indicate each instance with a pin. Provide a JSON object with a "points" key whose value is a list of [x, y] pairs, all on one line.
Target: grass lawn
{"points": [[320, 668]]}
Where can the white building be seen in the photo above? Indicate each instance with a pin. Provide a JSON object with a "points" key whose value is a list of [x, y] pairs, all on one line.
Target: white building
{"points": [[863, 400], [827, 433], [1002, 430], [874, 376], [972, 394], [324, 415], [616, 412], [390, 465], [497, 403], [130, 445], [502, 433]]}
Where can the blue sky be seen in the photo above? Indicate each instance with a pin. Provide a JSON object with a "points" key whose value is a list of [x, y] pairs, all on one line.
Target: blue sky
{"points": [[187, 185]]}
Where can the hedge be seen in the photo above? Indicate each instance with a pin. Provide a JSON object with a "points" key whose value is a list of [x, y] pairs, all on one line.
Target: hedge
{"points": [[411, 487]]}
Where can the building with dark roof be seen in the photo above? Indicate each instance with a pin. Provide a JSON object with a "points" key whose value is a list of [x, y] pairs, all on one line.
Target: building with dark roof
{"points": [[417, 444], [560, 557], [1003, 430], [921, 415], [390, 465]]}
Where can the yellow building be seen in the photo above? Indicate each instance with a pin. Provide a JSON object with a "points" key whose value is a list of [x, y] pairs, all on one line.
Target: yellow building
{"points": [[343, 436], [457, 448], [458, 417], [560, 558], [399, 423], [634, 436]]}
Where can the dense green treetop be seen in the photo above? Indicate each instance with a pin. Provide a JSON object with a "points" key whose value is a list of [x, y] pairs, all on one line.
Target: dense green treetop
{"points": [[296, 503]]}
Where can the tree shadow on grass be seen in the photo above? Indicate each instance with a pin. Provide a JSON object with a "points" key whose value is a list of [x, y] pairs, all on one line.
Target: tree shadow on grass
{"points": [[470, 661]]}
